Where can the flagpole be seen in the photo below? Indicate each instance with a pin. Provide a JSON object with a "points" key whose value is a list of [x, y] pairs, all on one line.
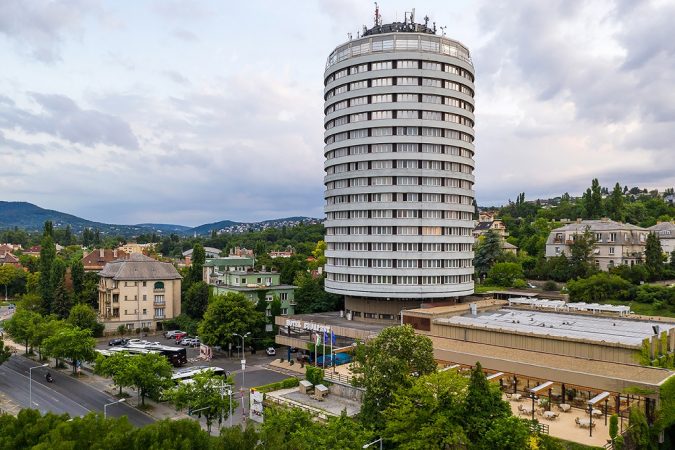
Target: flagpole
{"points": [[324, 350], [332, 355]]}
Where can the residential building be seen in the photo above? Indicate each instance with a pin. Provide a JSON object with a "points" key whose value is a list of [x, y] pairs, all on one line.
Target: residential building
{"points": [[138, 292], [666, 233], [616, 243], [240, 251], [283, 254], [33, 251], [8, 258], [96, 260], [254, 284], [210, 252], [495, 225], [133, 247], [217, 267], [398, 170]]}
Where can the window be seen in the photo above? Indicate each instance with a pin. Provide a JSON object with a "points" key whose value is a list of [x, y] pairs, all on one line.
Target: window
{"points": [[407, 263], [432, 99], [407, 148], [378, 82], [407, 114], [382, 246], [432, 82], [407, 231], [406, 181], [145, 311], [612, 237], [432, 115], [377, 115], [407, 64], [407, 81], [431, 65], [356, 101], [357, 85], [611, 250], [360, 117], [387, 98], [381, 131], [382, 65], [381, 181], [381, 148], [145, 297], [407, 97], [381, 263], [383, 164]]}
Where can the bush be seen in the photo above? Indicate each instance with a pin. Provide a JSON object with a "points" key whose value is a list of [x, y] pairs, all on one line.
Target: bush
{"points": [[314, 375], [599, 288], [121, 330], [550, 286], [146, 330], [137, 331], [283, 384], [505, 274]]}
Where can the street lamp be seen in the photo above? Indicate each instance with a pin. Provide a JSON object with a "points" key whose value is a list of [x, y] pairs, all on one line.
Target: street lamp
{"points": [[374, 442], [30, 384], [243, 369], [105, 412]]}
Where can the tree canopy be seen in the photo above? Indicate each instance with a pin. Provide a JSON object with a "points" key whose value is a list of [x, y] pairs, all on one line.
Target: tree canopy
{"points": [[228, 314]]}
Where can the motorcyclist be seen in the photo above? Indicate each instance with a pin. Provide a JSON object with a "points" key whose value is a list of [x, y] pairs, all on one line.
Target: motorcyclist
{"points": [[49, 377]]}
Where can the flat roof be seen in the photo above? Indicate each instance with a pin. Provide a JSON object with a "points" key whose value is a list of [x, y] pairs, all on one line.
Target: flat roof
{"points": [[602, 375], [579, 326], [452, 309]]}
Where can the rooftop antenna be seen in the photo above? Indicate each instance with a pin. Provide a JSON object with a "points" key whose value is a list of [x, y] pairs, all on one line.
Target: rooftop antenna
{"points": [[434, 27], [443, 29], [378, 17], [426, 20], [365, 30], [349, 36], [412, 16]]}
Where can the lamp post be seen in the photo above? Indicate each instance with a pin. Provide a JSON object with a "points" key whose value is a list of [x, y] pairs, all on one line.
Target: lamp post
{"points": [[30, 384], [374, 442], [243, 370], [105, 410]]}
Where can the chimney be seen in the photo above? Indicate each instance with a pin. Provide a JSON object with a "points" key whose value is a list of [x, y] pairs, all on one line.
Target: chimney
{"points": [[101, 252], [604, 219]]}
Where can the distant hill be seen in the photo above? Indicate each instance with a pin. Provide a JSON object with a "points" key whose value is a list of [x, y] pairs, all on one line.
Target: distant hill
{"points": [[30, 217]]}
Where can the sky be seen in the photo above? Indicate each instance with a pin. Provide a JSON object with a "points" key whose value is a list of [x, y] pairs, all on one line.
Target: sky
{"points": [[189, 112]]}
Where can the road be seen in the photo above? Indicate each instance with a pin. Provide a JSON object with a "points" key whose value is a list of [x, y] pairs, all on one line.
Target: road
{"points": [[64, 395]]}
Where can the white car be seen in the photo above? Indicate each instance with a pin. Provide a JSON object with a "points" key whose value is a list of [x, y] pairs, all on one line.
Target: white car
{"points": [[270, 351]]}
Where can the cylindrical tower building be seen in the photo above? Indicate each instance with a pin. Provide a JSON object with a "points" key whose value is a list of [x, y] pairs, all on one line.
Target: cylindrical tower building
{"points": [[399, 120]]}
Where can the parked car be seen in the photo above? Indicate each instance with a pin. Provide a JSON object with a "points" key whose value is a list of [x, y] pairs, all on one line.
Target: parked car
{"points": [[185, 341], [531, 286], [195, 343], [135, 341], [172, 334], [117, 341], [270, 351], [180, 336]]}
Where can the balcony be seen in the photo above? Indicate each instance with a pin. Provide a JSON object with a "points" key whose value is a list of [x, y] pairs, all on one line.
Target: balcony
{"points": [[159, 317], [159, 303], [158, 290]]}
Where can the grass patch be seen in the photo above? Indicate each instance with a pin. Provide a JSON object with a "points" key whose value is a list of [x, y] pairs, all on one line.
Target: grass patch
{"points": [[283, 384], [567, 445], [483, 288]]}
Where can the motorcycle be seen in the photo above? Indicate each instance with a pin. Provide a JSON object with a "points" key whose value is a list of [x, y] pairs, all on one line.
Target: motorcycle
{"points": [[49, 378]]}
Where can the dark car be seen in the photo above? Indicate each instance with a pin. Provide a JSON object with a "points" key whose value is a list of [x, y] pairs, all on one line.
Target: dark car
{"points": [[117, 341]]}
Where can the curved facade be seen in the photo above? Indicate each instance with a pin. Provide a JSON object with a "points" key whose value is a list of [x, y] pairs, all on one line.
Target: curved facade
{"points": [[398, 171]]}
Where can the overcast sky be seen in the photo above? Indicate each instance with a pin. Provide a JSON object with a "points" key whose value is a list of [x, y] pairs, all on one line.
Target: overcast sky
{"points": [[190, 112]]}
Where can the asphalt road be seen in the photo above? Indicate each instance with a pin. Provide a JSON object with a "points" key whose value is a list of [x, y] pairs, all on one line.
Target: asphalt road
{"points": [[64, 395]]}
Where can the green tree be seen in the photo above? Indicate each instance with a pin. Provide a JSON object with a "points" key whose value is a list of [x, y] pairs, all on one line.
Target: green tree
{"points": [[77, 275], [614, 204], [600, 287], [488, 250], [311, 297], [592, 201], [72, 343], [208, 393], [89, 294], [506, 433], [581, 254], [387, 363], [118, 367], [22, 326], [5, 351], [483, 405], [228, 314], [672, 260], [654, 256], [47, 256], [505, 274], [196, 300], [61, 301], [150, 374], [8, 274], [44, 328], [639, 433], [84, 316], [197, 263], [429, 414]]}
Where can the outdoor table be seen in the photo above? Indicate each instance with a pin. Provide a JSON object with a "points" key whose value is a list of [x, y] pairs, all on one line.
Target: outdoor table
{"points": [[525, 410], [597, 413], [516, 397], [564, 407], [550, 415], [585, 423]]}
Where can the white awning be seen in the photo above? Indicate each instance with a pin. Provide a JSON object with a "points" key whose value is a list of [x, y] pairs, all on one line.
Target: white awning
{"points": [[541, 386], [598, 398], [495, 375]]}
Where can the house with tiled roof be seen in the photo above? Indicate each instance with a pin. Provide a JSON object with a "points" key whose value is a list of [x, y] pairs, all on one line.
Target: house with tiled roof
{"points": [[8, 258], [98, 258], [138, 292]]}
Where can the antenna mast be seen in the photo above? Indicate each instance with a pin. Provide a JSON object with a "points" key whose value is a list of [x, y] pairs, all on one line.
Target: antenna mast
{"points": [[378, 17]]}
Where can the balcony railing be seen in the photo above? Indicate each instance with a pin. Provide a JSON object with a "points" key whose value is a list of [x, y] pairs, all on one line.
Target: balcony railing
{"points": [[158, 290], [159, 302]]}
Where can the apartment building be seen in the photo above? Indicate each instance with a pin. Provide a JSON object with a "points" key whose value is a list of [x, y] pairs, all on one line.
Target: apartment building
{"points": [[616, 243], [666, 233], [138, 292]]}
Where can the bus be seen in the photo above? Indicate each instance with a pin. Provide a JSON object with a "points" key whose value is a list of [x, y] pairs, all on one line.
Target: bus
{"points": [[185, 375], [177, 356]]}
